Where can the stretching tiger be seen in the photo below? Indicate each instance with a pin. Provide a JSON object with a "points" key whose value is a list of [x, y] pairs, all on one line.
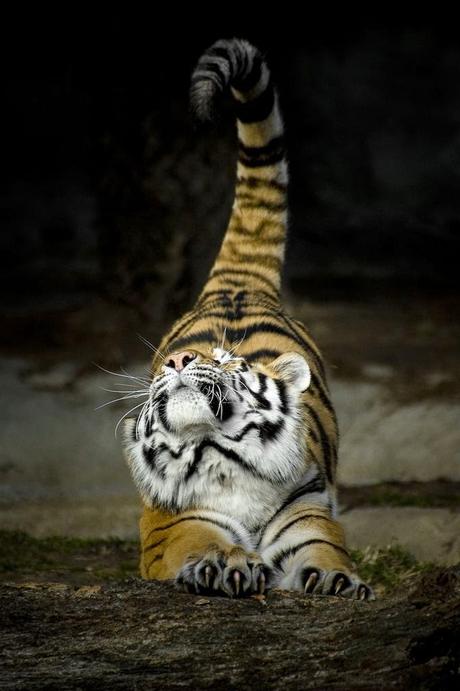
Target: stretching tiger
{"points": [[235, 451]]}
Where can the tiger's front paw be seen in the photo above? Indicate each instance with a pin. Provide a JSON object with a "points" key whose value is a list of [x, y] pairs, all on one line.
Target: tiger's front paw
{"points": [[233, 572], [335, 583], [313, 580]]}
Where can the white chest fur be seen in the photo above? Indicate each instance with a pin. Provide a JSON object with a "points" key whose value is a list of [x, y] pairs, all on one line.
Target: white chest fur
{"points": [[245, 479]]}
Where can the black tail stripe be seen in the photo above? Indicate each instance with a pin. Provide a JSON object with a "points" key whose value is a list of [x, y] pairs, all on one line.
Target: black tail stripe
{"points": [[265, 260], [244, 232], [212, 68], [218, 51], [259, 108], [252, 162], [246, 82], [241, 272], [255, 183], [251, 202], [291, 551], [275, 145]]}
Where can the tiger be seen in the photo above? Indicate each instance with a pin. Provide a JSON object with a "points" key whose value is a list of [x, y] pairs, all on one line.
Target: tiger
{"points": [[234, 452]]}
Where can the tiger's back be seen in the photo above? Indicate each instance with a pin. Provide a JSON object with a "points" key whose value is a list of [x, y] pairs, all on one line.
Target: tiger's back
{"points": [[236, 448]]}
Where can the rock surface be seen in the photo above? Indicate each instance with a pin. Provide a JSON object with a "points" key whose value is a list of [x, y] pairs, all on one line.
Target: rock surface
{"points": [[146, 635]]}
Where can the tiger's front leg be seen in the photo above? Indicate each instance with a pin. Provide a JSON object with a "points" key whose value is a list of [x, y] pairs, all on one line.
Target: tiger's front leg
{"points": [[305, 548], [203, 551]]}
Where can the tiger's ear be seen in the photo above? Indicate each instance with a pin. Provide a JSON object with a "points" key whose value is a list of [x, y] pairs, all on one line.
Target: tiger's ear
{"points": [[293, 369]]}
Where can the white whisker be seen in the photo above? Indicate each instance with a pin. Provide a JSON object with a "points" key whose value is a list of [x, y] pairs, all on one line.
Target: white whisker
{"points": [[126, 415], [140, 380], [151, 346], [123, 398]]}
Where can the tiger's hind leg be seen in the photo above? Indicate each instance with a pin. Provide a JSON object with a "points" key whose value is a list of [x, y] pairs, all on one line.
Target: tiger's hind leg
{"points": [[305, 548], [203, 551]]}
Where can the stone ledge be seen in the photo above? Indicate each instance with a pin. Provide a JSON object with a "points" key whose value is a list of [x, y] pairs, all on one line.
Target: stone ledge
{"points": [[429, 534]]}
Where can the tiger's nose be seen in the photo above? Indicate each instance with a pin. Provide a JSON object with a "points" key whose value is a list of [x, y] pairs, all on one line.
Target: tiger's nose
{"points": [[180, 360]]}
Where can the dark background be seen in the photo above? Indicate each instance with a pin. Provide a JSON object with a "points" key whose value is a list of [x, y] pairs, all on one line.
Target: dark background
{"points": [[113, 202]]}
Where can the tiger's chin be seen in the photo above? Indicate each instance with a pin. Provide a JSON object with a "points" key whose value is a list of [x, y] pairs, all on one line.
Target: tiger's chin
{"points": [[188, 411]]}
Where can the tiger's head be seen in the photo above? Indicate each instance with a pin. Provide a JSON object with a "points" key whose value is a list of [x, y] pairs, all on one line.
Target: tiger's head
{"points": [[219, 406], [195, 391]]}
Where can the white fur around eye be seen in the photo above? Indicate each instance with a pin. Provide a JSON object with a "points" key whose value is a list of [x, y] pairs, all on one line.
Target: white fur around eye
{"points": [[221, 355]]}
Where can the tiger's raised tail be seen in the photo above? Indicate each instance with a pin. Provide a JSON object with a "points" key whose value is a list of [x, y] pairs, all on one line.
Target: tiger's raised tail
{"points": [[252, 251]]}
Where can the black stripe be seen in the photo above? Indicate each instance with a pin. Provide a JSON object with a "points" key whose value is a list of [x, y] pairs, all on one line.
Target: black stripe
{"points": [[175, 454], [257, 233], [256, 156], [241, 272], [222, 410], [322, 394], [245, 82], [313, 435], [252, 202], [290, 551], [256, 295], [271, 160], [259, 108], [205, 336], [197, 518], [255, 183], [281, 386], [238, 437], [182, 325], [162, 412], [228, 453], [325, 443], [273, 145], [294, 521], [269, 431], [265, 261], [149, 454], [157, 557], [155, 544], [214, 68], [306, 344], [148, 425], [259, 395], [219, 51], [317, 484], [261, 354], [228, 316], [258, 328]]}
